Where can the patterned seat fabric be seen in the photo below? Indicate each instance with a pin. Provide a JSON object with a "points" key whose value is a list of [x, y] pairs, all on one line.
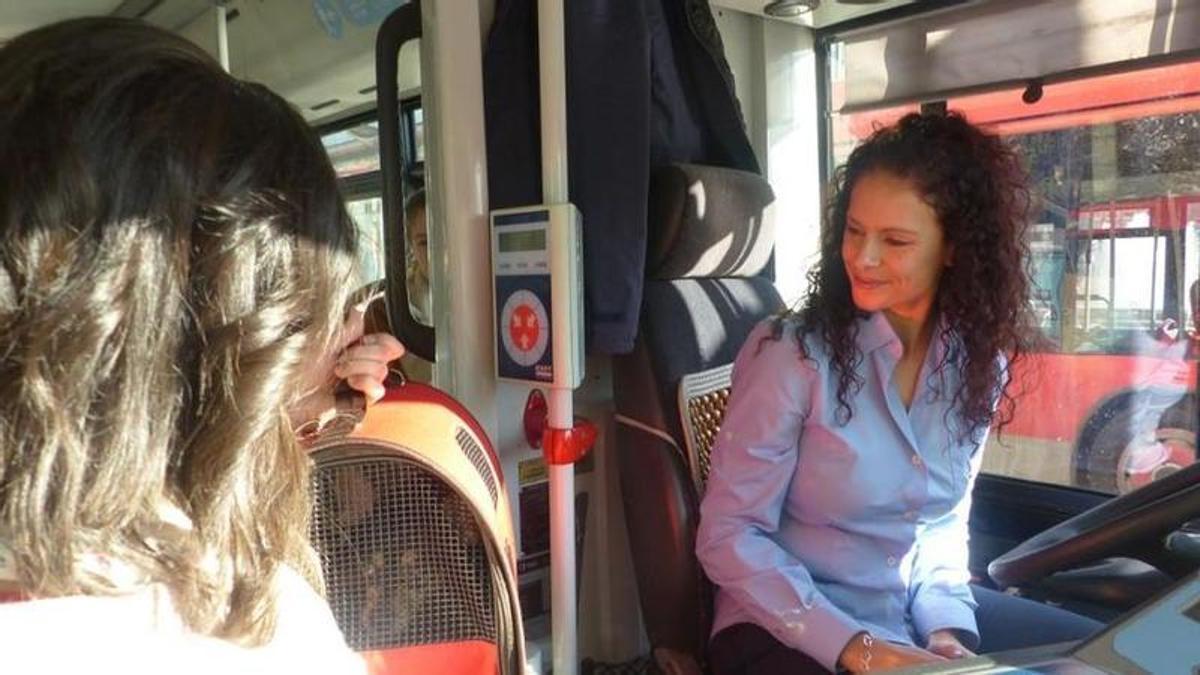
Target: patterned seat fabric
{"points": [[702, 400]]}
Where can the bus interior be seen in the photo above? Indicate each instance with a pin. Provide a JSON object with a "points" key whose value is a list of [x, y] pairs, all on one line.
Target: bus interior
{"points": [[1089, 500]]}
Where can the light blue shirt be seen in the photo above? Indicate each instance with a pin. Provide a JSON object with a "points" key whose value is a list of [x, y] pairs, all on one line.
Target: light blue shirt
{"points": [[816, 531]]}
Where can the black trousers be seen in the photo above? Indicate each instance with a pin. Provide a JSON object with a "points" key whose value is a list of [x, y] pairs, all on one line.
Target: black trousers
{"points": [[1005, 622]]}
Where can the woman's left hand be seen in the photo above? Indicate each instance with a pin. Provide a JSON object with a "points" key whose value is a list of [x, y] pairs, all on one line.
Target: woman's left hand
{"points": [[360, 360], [945, 643], [364, 364]]}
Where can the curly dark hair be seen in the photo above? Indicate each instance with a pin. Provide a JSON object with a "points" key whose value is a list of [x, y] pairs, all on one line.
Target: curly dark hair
{"points": [[978, 187]]}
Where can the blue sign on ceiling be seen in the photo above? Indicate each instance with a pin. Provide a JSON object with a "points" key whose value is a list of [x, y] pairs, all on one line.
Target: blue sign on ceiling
{"points": [[368, 12], [330, 13], [329, 17]]}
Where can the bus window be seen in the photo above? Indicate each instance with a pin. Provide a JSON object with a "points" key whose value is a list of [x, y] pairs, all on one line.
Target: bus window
{"points": [[368, 216], [353, 146], [414, 126], [1109, 401], [1107, 313], [416, 207], [354, 151]]}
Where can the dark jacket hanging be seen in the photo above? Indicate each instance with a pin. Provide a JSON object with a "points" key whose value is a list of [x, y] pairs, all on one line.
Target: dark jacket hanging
{"points": [[647, 85]]}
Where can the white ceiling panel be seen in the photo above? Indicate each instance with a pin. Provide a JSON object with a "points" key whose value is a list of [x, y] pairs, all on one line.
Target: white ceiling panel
{"points": [[18, 16]]}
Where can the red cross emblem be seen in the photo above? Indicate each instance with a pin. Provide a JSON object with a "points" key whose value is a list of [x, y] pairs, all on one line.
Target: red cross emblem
{"points": [[524, 327]]}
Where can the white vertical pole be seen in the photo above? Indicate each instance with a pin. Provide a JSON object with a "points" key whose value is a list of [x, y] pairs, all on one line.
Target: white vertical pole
{"points": [[223, 36], [552, 65], [562, 544], [552, 68], [456, 186]]}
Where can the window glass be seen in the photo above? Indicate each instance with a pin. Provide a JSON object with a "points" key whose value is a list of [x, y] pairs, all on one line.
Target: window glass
{"points": [[416, 214], [1110, 401], [354, 151], [368, 216], [416, 120]]}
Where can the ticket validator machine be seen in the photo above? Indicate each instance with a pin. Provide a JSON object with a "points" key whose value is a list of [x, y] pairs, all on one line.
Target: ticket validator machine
{"points": [[537, 281]]}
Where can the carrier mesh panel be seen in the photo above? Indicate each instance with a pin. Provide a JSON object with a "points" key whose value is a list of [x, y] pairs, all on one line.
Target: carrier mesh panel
{"points": [[402, 553], [475, 454]]}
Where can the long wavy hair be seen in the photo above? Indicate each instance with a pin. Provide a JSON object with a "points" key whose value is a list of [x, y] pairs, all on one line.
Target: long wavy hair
{"points": [[173, 252], [978, 187]]}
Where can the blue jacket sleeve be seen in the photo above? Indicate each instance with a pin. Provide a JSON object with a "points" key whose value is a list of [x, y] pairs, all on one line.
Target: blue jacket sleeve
{"points": [[753, 461]]}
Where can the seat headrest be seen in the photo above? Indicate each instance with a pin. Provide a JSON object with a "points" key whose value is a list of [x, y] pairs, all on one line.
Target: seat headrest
{"points": [[708, 221]]}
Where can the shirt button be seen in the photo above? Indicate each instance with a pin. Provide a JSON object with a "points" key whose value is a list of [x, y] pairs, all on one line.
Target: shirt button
{"points": [[916, 460], [910, 515], [891, 561]]}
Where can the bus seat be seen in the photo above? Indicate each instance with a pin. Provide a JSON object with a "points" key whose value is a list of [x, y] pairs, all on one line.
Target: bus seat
{"points": [[411, 524], [710, 244]]}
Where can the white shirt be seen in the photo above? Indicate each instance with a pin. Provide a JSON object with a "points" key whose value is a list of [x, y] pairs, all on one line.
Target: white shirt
{"points": [[142, 633]]}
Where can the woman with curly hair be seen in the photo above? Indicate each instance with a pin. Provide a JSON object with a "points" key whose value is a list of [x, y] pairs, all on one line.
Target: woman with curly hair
{"points": [[176, 265], [834, 523]]}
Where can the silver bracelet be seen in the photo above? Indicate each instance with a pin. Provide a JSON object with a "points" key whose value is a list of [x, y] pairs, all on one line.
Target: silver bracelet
{"points": [[868, 641]]}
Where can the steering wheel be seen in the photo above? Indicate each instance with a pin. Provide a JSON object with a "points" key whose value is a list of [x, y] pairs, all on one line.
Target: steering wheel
{"points": [[1123, 526]]}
